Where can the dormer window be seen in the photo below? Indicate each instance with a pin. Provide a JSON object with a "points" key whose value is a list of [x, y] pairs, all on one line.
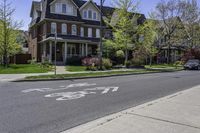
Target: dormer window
{"points": [[64, 8], [90, 14], [84, 14], [94, 15]]}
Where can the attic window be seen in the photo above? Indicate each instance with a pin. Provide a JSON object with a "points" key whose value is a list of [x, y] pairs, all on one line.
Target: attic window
{"points": [[84, 14], [64, 8], [90, 14]]}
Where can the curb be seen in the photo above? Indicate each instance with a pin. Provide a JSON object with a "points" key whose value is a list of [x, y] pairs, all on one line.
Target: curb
{"points": [[106, 119], [114, 75]]}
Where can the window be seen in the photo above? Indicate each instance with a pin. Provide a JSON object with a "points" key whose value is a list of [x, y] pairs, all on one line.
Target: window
{"points": [[64, 29], [74, 30], [90, 14], [94, 15], [58, 8], [89, 32], [97, 33], [84, 14], [82, 32], [64, 8], [53, 28]]}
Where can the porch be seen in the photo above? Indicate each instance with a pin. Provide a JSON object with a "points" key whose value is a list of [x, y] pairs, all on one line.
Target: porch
{"points": [[66, 50]]}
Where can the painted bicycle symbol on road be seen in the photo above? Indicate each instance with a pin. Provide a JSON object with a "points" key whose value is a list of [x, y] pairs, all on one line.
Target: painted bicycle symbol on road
{"points": [[64, 96]]}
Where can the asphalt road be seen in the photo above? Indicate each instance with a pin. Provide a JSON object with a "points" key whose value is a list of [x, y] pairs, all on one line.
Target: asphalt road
{"points": [[49, 110]]}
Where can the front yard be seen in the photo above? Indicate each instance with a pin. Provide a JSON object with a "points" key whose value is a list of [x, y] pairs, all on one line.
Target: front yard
{"points": [[75, 68], [165, 66], [23, 69]]}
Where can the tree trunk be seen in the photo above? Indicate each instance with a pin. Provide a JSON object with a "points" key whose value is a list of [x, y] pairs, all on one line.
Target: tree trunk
{"points": [[126, 56], [150, 61], [169, 55]]}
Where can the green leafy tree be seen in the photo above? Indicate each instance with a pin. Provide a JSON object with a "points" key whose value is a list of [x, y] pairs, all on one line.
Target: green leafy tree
{"points": [[124, 24], [148, 36], [9, 32]]}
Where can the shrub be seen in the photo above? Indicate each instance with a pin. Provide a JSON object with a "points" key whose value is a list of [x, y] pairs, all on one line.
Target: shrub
{"points": [[120, 54], [33, 61], [128, 63], [46, 64], [138, 61], [75, 61], [89, 61], [107, 64]]}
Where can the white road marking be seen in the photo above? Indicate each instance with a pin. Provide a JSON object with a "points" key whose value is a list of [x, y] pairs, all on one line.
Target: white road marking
{"points": [[70, 95], [105, 89], [60, 88]]}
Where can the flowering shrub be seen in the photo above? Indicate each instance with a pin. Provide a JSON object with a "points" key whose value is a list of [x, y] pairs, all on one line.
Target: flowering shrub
{"points": [[90, 61]]}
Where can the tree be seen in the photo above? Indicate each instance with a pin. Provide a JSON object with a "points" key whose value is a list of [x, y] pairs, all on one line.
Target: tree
{"points": [[124, 25], [168, 14], [148, 34], [189, 14], [9, 32]]}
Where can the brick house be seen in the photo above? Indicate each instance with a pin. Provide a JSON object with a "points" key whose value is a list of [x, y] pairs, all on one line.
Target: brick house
{"points": [[77, 24]]}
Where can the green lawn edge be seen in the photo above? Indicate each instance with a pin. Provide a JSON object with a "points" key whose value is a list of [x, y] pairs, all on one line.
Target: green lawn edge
{"points": [[94, 74]]}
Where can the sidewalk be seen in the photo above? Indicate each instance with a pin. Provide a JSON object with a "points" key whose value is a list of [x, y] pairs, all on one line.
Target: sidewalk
{"points": [[177, 113]]}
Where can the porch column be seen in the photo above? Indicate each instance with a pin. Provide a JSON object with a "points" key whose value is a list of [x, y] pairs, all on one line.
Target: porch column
{"points": [[65, 59], [86, 49], [45, 49], [50, 51], [82, 48]]}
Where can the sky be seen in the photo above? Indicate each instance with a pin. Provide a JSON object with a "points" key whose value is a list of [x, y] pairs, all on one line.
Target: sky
{"points": [[23, 8]]}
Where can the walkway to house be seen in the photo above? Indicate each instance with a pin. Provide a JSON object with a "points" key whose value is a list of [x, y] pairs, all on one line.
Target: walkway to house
{"points": [[60, 69]]}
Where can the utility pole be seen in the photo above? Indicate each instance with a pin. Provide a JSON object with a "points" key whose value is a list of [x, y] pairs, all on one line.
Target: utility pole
{"points": [[101, 36], [55, 52]]}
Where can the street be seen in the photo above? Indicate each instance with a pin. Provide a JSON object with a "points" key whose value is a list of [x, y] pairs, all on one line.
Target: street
{"points": [[55, 106]]}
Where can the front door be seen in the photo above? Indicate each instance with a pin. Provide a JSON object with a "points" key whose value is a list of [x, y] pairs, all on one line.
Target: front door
{"points": [[59, 53]]}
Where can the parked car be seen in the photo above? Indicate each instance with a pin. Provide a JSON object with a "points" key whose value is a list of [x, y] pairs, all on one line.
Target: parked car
{"points": [[192, 65]]}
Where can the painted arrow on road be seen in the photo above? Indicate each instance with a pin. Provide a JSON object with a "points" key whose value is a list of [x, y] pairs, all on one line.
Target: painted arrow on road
{"points": [[104, 89]]}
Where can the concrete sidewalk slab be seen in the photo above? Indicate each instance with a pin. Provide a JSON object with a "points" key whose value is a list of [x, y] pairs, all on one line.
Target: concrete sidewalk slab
{"points": [[177, 113]]}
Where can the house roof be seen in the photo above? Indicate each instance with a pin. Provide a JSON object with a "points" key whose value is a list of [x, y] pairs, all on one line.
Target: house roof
{"points": [[107, 12]]}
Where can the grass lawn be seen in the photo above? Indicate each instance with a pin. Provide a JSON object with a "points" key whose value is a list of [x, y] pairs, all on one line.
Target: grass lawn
{"points": [[94, 74], [22, 69], [75, 68], [164, 66]]}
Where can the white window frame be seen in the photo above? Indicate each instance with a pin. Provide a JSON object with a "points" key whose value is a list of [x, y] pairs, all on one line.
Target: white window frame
{"points": [[53, 28], [98, 32], [89, 14], [85, 14], [94, 15], [64, 29], [66, 8], [82, 31], [74, 30], [90, 32]]}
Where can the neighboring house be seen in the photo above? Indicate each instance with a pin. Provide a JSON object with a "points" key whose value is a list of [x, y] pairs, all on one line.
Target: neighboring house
{"points": [[179, 42], [23, 40], [77, 24]]}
